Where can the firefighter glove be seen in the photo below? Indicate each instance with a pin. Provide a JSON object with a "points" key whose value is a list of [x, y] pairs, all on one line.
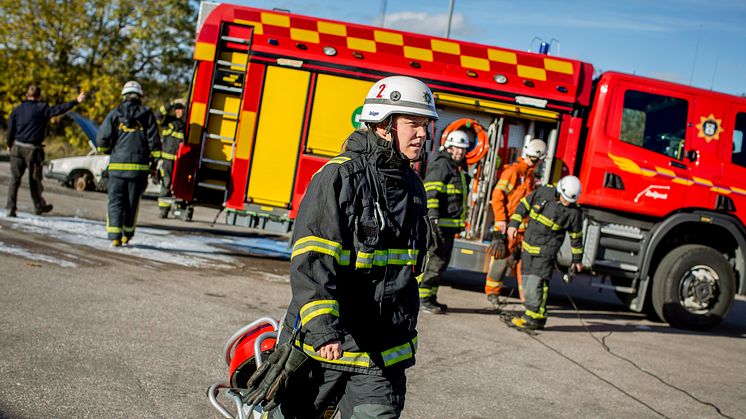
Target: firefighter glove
{"points": [[267, 384], [498, 247]]}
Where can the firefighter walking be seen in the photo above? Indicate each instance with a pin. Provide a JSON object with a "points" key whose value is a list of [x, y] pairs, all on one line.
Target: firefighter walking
{"points": [[359, 241], [172, 135], [129, 134], [447, 185], [551, 212], [516, 182]]}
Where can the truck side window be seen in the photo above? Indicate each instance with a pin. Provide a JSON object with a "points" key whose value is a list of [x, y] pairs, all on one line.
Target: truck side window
{"points": [[739, 151], [654, 122]]}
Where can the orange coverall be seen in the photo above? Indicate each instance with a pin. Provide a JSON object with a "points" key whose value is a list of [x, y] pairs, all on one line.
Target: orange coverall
{"points": [[516, 182]]}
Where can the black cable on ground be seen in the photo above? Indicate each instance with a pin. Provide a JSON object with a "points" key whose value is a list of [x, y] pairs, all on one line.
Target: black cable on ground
{"points": [[606, 348]]}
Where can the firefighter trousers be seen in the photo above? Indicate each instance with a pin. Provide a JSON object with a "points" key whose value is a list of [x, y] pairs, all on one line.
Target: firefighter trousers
{"points": [[437, 263], [24, 157], [499, 268], [124, 199], [536, 271], [360, 396], [164, 197]]}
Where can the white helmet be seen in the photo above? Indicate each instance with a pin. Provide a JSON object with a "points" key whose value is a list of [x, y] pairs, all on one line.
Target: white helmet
{"points": [[132, 87], [457, 139], [569, 188], [398, 95], [535, 148]]}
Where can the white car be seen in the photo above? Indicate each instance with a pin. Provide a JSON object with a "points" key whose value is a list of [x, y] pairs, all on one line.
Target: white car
{"points": [[80, 172]]}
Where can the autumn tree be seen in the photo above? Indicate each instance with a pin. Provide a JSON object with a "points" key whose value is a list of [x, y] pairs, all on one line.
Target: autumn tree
{"points": [[96, 45]]}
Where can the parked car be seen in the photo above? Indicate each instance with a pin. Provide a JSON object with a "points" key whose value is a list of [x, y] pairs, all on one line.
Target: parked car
{"points": [[80, 172]]}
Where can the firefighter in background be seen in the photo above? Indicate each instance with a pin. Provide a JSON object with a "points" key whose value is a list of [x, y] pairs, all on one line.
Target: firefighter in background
{"points": [[516, 182], [172, 135], [447, 185], [552, 212], [129, 134], [359, 241]]}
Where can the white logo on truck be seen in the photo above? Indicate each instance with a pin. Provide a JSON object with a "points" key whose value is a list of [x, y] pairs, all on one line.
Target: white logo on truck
{"points": [[654, 192]]}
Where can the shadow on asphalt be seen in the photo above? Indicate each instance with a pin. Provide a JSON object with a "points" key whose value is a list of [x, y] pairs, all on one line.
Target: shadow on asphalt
{"points": [[593, 308]]}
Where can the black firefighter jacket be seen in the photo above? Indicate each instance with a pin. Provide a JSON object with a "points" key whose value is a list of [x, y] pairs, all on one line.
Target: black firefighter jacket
{"points": [[359, 242], [446, 187], [172, 133], [547, 224], [129, 134]]}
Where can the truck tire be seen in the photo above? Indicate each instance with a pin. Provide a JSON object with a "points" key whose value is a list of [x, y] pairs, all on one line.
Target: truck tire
{"points": [[693, 287]]}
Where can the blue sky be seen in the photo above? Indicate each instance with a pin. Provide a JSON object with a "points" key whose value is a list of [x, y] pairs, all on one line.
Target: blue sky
{"points": [[653, 38]]}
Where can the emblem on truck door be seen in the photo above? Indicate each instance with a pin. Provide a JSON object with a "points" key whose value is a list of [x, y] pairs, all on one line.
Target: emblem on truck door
{"points": [[709, 128]]}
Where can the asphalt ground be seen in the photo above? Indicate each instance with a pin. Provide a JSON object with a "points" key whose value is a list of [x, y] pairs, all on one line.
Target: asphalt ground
{"points": [[87, 330]]}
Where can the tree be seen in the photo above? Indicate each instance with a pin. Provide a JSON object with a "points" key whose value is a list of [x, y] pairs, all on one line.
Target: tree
{"points": [[96, 45]]}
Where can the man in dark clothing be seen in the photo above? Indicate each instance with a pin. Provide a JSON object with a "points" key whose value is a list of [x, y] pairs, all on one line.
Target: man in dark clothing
{"points": [[129, 134], [551, 212], [359, 241], [446, 184], [172, 135], [26, 130]]}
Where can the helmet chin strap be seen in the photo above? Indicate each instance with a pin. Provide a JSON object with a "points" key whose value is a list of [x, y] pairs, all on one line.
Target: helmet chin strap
{"points": [[395, 141]]}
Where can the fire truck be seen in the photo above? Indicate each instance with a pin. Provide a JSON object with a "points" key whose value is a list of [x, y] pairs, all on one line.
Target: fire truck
{"points": [[662, 165]]}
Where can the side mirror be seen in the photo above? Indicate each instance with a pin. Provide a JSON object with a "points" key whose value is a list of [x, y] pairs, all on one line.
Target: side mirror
{"points": [[692, 155]]}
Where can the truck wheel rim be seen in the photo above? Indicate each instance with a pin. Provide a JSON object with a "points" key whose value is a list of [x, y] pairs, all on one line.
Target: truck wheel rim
{"points": [[698, 290]]}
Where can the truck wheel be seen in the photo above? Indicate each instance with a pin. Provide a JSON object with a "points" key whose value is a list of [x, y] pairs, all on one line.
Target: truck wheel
{"points": [[693, 287], [82, 182]]}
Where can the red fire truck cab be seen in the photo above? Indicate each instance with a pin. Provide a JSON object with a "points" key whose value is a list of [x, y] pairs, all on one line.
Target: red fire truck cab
{"points": [[663, 166]]}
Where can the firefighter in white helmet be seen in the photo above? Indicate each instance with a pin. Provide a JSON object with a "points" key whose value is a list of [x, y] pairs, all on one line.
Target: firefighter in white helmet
{"points": [[552, 211], [359, 241], [129, 134], [447, 185], [516, 182]]}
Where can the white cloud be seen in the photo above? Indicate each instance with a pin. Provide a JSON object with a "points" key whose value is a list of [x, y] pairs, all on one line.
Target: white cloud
{"points": [[426, 23]]}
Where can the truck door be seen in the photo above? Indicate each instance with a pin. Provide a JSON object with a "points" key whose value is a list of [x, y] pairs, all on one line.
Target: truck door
{"points": [[734, 162], [642, 167]]}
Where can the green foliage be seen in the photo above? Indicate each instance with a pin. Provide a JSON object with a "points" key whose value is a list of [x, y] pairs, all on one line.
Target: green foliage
{"points": [[94, 45]]}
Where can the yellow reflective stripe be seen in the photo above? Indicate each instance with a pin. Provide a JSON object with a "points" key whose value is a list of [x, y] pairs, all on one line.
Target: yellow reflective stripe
{"points": [[452, 190], [516, 217], [493, 283], [434, 186], [129, 229], [545, 220], [576, 250], [525, 203], [433, 203], [386, 257], [335, 160], [317, 244], [155, 154], [419, 277], [113, 229], [168, 156], [534, 250], [129, 166], [103, 149], [426, 292], [166, 132], [316, 308], [178, 135], [358, 359], [534, 315], [576, 235], [399, 353], [451, 222], [504, 186]]}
